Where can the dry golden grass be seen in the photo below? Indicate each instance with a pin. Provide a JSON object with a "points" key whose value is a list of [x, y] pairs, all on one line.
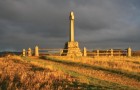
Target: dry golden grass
{"points": [[15, 74], [122, 63], [62, 73], [121, 70]]}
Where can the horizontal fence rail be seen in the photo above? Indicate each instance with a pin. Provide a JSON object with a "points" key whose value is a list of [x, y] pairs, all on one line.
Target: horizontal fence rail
{"points": [[85, 52]]}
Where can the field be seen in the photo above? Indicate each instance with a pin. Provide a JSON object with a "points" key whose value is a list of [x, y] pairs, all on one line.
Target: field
{"points": [[74, 73]]}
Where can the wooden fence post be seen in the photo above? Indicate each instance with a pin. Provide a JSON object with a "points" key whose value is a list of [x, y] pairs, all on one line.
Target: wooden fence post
{"points": [[98, 53], [61, 52], [111, 51], [129, 52], [24, 52], [85, 52], [29, 52], [36, 51]]}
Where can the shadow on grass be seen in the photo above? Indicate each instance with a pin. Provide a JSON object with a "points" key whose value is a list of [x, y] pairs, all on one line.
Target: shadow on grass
{"points": [[35, 68], [75, 85], [97, 84], [7, 84], [75, 64], [4, 84], [84, 86], [135, 62], [17, 61]]}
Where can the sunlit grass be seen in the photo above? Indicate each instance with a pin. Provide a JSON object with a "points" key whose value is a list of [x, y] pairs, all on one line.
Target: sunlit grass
{"points": [[69, 73], [87, 73], [16, 73]]}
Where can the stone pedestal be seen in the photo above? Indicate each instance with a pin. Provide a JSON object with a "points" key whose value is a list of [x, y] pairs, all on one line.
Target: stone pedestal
{"points": [[72, 49]]}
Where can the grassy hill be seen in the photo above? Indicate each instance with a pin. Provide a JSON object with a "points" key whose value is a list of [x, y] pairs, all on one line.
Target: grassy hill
{"points": [[50, 73]]}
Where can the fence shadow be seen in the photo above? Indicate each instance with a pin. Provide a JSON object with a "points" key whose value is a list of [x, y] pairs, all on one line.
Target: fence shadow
{"points": [[87, 66]]}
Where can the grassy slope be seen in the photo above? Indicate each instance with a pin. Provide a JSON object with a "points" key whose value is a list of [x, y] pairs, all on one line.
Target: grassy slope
{"points": [[94, 77], [16, 73], [47, 73]]}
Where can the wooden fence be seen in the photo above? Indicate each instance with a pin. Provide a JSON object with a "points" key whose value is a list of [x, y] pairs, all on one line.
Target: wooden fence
{"points": [[86, 52]]}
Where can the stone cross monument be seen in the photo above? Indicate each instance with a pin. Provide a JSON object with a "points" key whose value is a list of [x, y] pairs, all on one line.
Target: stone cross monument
{"points": [[71, 47]]}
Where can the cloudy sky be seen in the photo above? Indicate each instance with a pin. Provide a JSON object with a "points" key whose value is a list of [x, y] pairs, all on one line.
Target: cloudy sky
{"points": [[99, 24]]}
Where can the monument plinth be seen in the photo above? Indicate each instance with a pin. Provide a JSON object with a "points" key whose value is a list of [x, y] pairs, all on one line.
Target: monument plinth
{"points": [[72, 47]]}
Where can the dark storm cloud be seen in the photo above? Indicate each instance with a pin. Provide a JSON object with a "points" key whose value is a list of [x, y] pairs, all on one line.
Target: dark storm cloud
{"points": [[104, 23]]}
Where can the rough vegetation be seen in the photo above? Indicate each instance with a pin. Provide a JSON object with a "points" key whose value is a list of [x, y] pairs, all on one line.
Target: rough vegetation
{"points": [[49, 73], [18, 74]]}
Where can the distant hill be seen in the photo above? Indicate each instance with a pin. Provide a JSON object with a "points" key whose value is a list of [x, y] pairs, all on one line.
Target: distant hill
{"points": [[5, 53]]}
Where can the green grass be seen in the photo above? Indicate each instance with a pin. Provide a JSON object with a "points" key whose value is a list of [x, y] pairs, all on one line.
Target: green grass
{"points": [[24, 75], [89, 82], [87, 66]]}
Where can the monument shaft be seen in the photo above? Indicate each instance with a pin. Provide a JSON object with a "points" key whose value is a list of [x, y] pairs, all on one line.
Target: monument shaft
{"points": [[71, 47], [71, 27]]}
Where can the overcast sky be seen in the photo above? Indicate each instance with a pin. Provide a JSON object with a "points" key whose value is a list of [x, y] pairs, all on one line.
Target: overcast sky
{"points": [[99, 24]]}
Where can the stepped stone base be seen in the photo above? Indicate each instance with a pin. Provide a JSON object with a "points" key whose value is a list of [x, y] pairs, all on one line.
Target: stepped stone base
{"points": [[71, 49]]}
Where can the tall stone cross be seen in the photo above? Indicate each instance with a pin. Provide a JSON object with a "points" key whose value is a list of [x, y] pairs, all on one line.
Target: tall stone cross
{"points": [[71, 27]]}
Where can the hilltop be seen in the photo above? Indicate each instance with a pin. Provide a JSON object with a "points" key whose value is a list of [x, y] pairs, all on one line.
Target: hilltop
{"points": [[52, 73]]}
